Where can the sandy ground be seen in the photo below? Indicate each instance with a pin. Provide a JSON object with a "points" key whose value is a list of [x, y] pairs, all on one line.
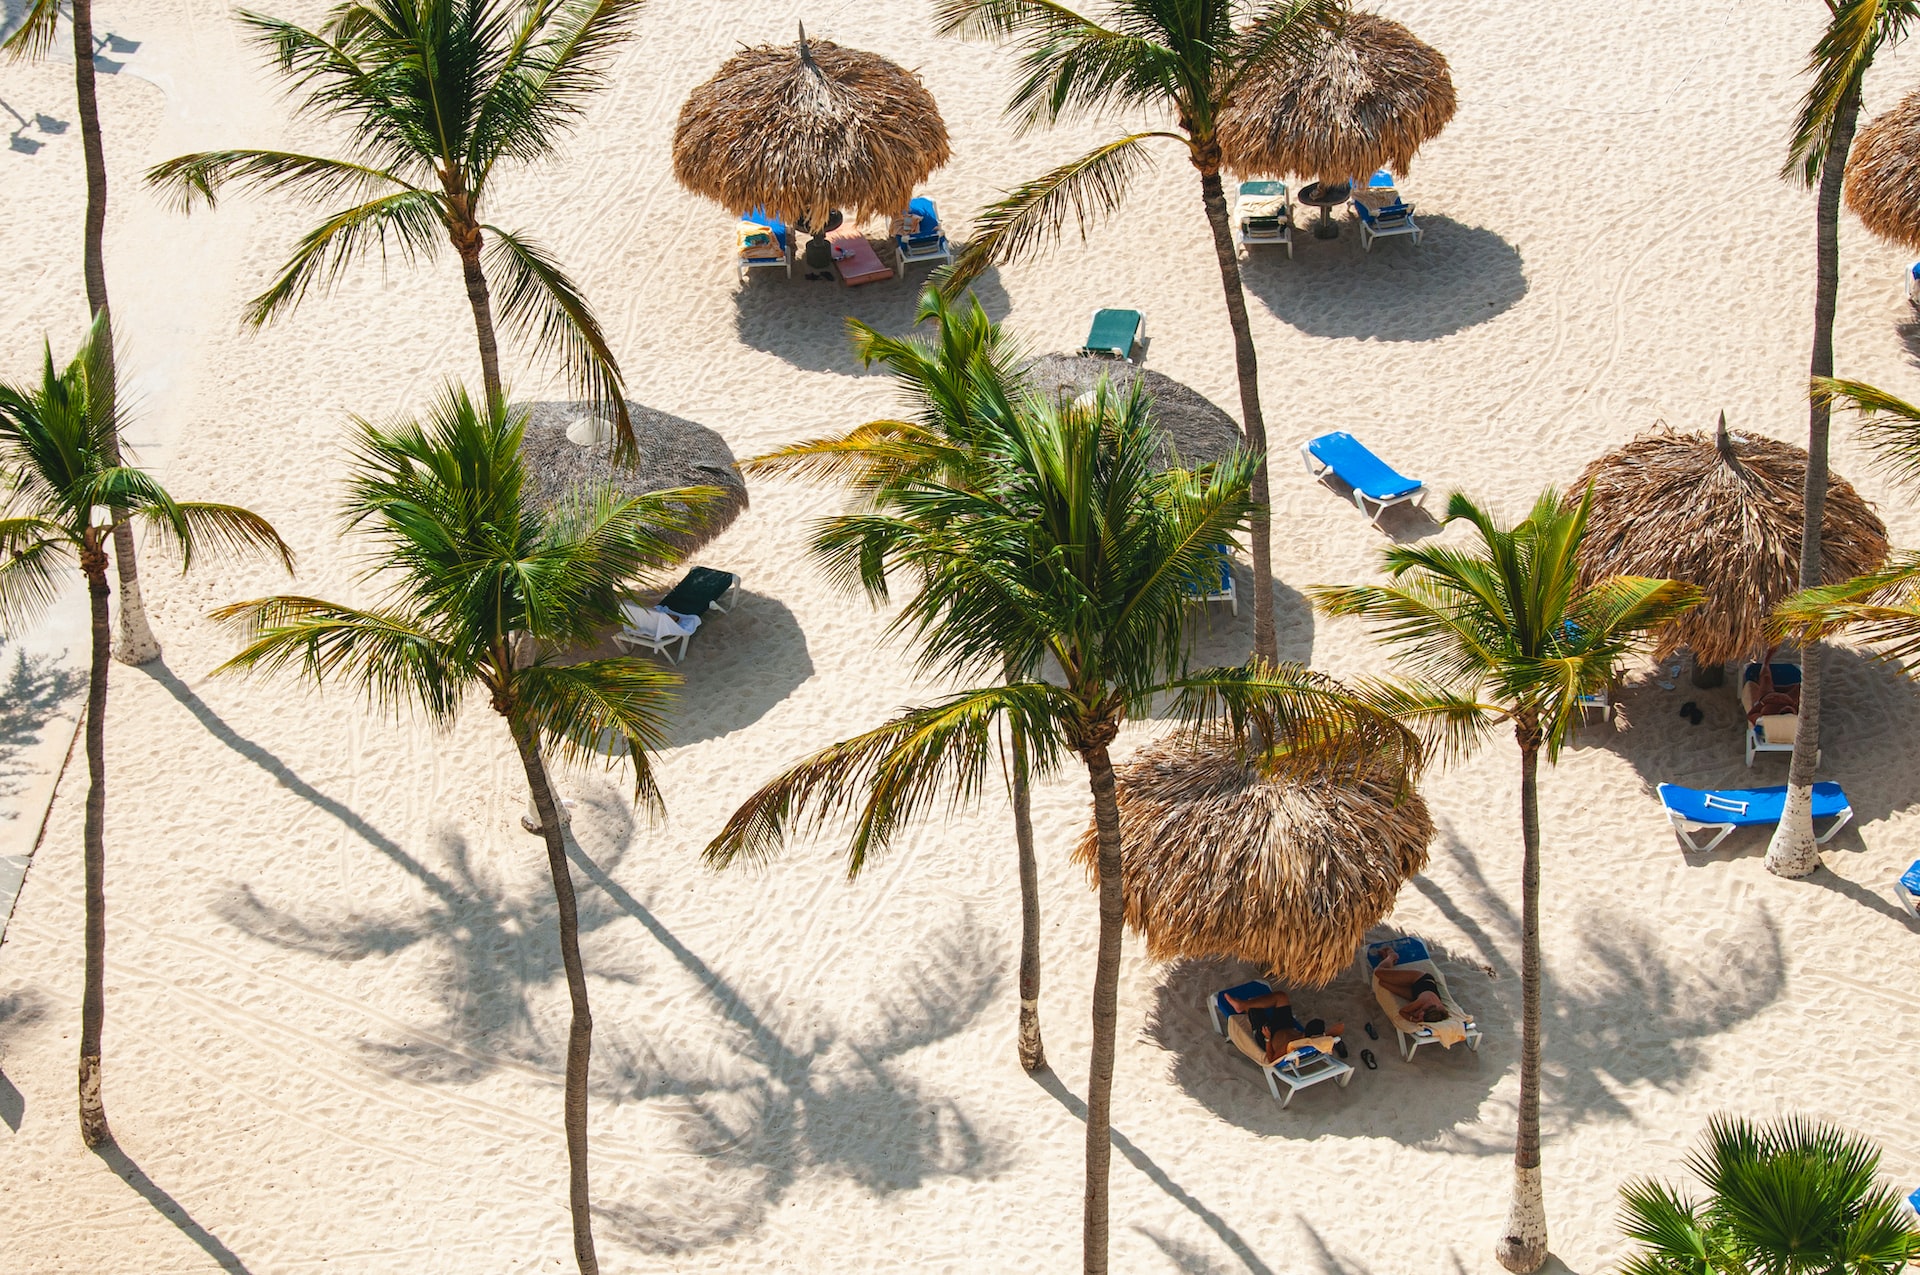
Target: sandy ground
{"points": [[335, 1011]]}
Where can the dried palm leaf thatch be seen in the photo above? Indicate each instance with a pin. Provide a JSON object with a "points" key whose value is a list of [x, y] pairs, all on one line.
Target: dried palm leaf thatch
{"points": [[802, 130], [1369, 98], [1288, 872], [674, 452], [1724, 512], [1883, 174], [1192, 427]]}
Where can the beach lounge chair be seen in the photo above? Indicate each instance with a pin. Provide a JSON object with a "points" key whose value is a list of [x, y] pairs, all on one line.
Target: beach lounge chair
{"points": [[854, 259], [1411, 954], [655, 629], [1212, 588], [763, 241], [1263, 213], [1775, 732], [701, 590], [918, 236], [1913, 283], [1394, 219], [1906, 888], [1721, 810], [1374, 482], [1305, 1065], [1114, 333]]}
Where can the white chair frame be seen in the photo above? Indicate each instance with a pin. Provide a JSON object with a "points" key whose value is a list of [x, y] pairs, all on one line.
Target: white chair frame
{"points": [[1369, 233]]}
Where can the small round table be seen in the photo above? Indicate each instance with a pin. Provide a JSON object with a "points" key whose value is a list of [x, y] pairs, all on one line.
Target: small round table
{"points": [[1326, 198]]}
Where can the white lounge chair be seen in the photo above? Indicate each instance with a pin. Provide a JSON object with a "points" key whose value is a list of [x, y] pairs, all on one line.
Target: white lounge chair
{"points": [[1211, 589], [1411, 954], [1906, 888], [655, 629], [1263, 214], [764, 243], [1721, 810], [1300, 1068], [1382, 211], [919, 237]]}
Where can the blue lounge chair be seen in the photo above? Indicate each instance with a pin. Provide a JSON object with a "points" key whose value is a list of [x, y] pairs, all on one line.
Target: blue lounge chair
{"points": [[1913, 283], [1262, 213], [1374, 482], [1721, 810], [928, 242], [1114, 333], [1209, 588], [754, 255], [1300, 1068], [1907, 890]]}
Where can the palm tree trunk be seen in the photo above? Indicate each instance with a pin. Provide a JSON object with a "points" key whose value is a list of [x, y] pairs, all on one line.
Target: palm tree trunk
{"points": [[136, 644], [1793, 852], [1523, 1246], [580, 1034], [1265, 642], [1033, 1054], [93, 1000], [1106, 1012], [467, 242]]}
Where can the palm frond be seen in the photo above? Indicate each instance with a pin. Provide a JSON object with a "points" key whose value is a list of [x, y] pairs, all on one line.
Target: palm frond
{"points": [[35, 553], [313, 178], [1882, 609], [1034, 214], [34, 37], [1889, 425], [1295, 716], [1671, 1228], [997, 19], [892, 772], [556, 60], [539, 302], [389, 655], [195, 527], [581, 709], [411, 221], [1856, 31]]}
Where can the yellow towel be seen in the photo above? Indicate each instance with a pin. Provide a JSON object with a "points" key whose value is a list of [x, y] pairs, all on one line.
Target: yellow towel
{"points": [[1449, 1031], [1242, 1035]]}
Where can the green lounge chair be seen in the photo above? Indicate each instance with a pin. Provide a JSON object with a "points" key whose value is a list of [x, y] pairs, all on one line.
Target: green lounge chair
{"points": [[700, 591], [1114, 333]]}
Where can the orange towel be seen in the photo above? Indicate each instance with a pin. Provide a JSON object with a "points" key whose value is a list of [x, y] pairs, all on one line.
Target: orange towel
{"points": [[855, 259]]}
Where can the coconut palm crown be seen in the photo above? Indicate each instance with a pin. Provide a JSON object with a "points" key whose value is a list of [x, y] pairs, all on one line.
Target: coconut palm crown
{"points": [[1177, 61], [64, 489], [488, 591], [435, 94], [1507, 634]]}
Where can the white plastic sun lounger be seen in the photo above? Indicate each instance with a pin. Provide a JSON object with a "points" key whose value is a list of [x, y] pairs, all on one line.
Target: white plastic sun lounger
{"points": [[655, 629], [1301, 1068], [1458, 1026]]}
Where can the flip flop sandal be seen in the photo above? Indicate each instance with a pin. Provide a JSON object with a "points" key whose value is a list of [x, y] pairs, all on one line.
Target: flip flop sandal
{"points": [[1366, 1056], [1371, 1034], [1340, 1048]]}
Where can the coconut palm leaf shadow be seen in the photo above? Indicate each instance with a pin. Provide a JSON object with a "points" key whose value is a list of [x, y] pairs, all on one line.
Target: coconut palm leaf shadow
{"points": [[33, 689], [752, 1104]]}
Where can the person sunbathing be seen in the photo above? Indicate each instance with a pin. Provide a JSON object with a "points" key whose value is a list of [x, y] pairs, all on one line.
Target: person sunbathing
{"points": [[1419, 989], [1770, 700], [1270, 1015]]}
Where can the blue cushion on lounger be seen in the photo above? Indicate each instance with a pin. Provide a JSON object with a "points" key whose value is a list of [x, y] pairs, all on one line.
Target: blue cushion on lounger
{"points": [[1911, 879], [1408, 947], [1246, 991], [923, 208], [1359, 468]]}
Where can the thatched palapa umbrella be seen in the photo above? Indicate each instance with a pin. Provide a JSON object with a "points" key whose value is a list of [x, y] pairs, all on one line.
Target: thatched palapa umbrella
{"points": [[1192, 426], [809, 129], [1883, 174], [1724, 512], [569, 450], [1289, 873], [1369, 98]]}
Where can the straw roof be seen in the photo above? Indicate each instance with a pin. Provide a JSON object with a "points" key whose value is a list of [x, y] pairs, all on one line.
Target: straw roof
{"points": [[673, 453], [1192, 426], [805, 129], [1724, 512], [1883, 174], [1287, 873], [1369, 98]]}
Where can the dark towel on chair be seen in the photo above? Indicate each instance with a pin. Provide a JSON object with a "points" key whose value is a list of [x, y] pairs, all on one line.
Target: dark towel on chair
{"points": [[701, 588]]}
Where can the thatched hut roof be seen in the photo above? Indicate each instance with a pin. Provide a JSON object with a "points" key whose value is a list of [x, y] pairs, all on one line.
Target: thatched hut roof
{"points": [[1287, 873], [1369, 98], [1724, 512], [674, 452], [1883, 174], [808, 128], [1192, 425]]}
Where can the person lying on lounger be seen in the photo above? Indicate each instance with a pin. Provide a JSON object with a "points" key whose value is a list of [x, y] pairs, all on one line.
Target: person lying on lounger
{"points": [[1274, 1026], [1419, 989]]}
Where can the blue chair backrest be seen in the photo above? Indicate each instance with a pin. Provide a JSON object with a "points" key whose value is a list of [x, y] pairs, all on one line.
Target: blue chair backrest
{"points": [[759, 217], [923, 208], [1381, 177], [1407, 947], [1246, 991], [1911, 879]]}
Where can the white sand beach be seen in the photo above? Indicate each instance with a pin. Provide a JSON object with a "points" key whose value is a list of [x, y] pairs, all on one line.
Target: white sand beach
{"points": [[335, 1012]]}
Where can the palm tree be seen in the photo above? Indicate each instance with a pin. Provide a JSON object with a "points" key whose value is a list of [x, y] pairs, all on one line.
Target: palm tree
{"points": [[34, 38], [59, 473], [1507, 636], [487, 592], [435, 93], [1823, 134], [966, 372], [1882, 607], [1180, 59], [1068, 546], [1792, 1197]]}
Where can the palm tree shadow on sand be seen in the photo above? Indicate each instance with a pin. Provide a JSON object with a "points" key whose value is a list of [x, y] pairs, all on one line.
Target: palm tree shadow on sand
{"points": [[753, 1097], [804, 322], [1457, 277]]}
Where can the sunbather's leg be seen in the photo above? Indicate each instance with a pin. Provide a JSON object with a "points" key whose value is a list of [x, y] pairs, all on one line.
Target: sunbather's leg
{"points": [[1267, 1000], [1399, 982]]}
